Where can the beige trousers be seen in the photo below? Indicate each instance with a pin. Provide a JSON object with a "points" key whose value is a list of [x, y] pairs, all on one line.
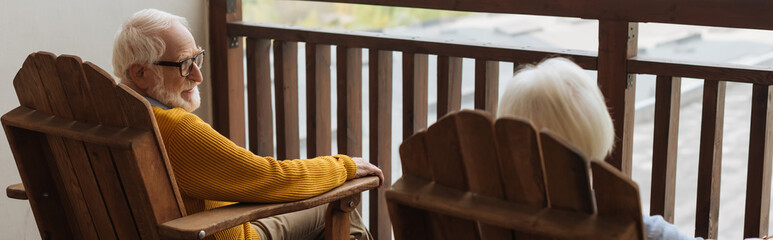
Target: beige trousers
{"points": [[306, 224]]}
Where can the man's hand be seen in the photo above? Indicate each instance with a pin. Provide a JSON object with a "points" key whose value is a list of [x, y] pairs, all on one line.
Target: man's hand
{"points": [[365, 168]]}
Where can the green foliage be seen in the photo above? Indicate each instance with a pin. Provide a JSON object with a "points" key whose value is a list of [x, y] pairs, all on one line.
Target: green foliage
{"points": [[338, 15]]}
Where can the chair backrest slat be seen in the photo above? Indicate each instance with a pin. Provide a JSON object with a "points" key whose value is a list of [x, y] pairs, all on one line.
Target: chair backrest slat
{"points": [[521, 163], [78, 92], [617, 196], [566, 175], [91, 171], [478, 149]]}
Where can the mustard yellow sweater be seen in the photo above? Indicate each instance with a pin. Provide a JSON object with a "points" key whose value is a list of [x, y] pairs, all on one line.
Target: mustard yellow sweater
{"points": [[212, 171]]}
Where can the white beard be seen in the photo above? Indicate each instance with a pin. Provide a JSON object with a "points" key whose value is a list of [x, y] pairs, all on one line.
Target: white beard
{"points": [[174, 99]]}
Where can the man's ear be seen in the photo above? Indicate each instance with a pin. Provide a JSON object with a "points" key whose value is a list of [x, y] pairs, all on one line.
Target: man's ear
{"points": [[142, 77]]}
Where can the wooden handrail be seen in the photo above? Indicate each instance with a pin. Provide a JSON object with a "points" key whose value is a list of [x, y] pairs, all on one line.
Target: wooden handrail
{"points": [[351, 39], [738, 14]]}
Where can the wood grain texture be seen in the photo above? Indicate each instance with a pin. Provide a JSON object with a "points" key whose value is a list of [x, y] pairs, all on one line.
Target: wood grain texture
{"points": [[617, 196], [740, 14], [402, 215], [227, 71], [758, 176], [478, 147], [701, 70], [52, 100], [486, 85], [260, 115], [76, 89], [414, 158], [464, 146], [426, 196], [222, 218], [380, 117], [337, 217], [415, 101], [286, 83], [710, 159], [618, 42], [566, 175], [585, 59], [318, 122], [448, 169], [449, 85], [520, 161], [664, 142], [49, 206], [349, 100]]}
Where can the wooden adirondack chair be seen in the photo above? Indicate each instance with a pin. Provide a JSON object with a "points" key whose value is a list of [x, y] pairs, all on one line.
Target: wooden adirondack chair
{"points": [[93, 165], [468, 178]]}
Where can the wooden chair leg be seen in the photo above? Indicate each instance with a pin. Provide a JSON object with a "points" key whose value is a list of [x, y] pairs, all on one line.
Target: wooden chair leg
{"points": [[337, 217]]}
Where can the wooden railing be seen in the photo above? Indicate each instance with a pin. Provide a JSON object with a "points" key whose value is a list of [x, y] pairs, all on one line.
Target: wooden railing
{"points": [[616, 63]]}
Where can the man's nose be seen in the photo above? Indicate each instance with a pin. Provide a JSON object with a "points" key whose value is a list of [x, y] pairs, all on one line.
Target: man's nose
{"points": [[195, 74]]}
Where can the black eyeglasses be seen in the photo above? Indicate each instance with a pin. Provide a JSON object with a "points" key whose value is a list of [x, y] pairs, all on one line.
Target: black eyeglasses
{"points": [[186, 65]]}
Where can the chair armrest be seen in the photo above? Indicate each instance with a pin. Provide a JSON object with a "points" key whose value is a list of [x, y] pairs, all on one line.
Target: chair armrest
{"points": [[202, 224], [16, 191]]}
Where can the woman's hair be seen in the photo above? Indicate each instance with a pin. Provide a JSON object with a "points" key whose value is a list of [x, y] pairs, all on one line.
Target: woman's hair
{"points": [[139, 41], [558, 95]]}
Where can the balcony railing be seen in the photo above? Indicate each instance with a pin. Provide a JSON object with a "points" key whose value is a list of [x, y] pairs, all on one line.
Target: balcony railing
{"points": [[616, 63]]}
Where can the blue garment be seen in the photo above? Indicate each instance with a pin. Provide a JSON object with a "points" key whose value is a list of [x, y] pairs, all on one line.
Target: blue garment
{"points": [[154, 102], [657, 228]]}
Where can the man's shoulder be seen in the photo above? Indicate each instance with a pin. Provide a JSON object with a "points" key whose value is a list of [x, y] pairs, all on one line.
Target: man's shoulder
{"points": [[173, 115]]}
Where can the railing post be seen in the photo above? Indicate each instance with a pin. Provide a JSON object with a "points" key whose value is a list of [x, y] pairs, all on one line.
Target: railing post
{"points": [[617, 43], [665, 139], [380, 112], [760, 151], [227, 76]]}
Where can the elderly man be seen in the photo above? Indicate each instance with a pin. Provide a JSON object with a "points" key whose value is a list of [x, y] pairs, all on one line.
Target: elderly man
{"points": [[156, 55]]}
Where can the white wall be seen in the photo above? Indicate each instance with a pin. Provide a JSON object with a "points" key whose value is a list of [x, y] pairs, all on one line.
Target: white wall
{"points": [[84, 28]]}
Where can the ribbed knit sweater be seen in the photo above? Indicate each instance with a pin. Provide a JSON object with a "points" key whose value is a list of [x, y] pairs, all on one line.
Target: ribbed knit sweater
{"points": [[211, 171]]}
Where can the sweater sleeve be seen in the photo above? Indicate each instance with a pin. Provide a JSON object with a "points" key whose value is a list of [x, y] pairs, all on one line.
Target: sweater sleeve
{"points": [[209, 166]]}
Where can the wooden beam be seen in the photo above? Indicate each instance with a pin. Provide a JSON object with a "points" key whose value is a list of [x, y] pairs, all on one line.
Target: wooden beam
{"points": [[349, 86], [739, 13], [664, 142], [486, 85], [227, 71], [286, 93], [758, 176], [449, 85], [586, 59], [261, 132], [415, 108], [318, 125], [617, 43], [710, 159], [701, 70], [380, 85]]}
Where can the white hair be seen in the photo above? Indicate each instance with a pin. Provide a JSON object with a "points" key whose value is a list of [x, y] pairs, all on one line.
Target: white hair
{"points": [[558, 95], [138, 41]]}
